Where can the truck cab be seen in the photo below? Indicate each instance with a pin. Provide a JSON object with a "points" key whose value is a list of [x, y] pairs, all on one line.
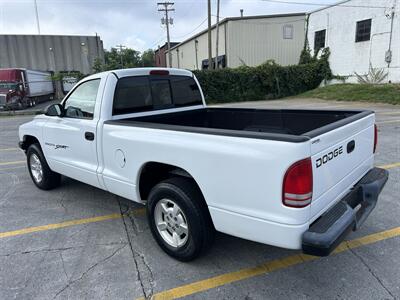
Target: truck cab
{"points": [[12, 89]]}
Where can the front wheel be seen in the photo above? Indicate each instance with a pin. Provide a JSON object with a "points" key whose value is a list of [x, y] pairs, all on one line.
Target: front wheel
{"points": [[179, 219], [42, 176]]}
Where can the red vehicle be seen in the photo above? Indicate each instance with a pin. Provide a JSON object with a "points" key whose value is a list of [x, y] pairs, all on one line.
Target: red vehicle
{"points": [[21, 88]]}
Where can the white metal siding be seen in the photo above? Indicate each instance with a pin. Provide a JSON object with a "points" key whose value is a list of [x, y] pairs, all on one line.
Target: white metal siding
{"points": [[50, 52], [255, 41], [347, 56], [252, 41], [187, 52]]}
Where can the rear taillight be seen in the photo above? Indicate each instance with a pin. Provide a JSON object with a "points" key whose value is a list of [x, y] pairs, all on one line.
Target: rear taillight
{"points": [[298, 184], [375, 136]]}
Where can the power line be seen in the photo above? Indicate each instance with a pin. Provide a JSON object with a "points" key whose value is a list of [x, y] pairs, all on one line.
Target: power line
{"points": [[178, 37], [155, 43], [324, 4], [197, 27]]}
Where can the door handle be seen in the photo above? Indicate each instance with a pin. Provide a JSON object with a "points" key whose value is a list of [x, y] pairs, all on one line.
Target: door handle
{"points": [[89, 136], [350, 146]]}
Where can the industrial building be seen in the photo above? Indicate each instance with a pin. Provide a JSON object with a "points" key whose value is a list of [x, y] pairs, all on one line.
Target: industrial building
{"points": [[160, 54], [57, 53], [245, 40], [359, 33]]}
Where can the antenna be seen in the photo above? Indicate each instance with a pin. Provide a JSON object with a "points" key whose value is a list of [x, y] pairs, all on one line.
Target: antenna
{"points": [[37, 17]]}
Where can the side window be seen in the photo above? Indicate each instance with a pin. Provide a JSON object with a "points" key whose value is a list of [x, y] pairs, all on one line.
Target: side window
{"points": [[80, 104], [132, 94], [161, 92]]}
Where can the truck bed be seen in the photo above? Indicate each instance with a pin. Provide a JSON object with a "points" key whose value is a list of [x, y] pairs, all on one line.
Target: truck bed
{"points": [[280, 124]]}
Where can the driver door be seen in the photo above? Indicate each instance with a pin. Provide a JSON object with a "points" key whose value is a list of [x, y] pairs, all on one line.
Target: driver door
{"points": [[70, 140]]}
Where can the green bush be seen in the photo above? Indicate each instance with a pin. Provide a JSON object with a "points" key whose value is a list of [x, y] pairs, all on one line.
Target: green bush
{"points": [[267, 81]]}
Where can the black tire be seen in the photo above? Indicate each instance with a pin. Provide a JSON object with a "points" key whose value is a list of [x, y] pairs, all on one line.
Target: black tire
{"points": [[49, 179], [185, 193], [21, 105]]}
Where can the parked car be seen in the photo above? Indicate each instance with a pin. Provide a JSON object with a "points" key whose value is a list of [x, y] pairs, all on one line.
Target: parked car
{"points": [[21, 88], [297, 179]]}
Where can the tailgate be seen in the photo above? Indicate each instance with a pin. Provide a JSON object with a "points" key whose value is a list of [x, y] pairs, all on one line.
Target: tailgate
{"points": [[340, 157]]}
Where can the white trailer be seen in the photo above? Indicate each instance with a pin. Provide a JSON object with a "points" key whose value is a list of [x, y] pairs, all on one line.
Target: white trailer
{"points": [[39, 83]]}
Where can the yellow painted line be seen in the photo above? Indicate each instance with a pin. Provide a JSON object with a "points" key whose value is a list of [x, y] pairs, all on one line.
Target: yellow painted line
{"points": [[7, 163], [388, 122], [8, 149], [139, 212], [268, 267], [391, 166], [14, 168], [59, 225]]}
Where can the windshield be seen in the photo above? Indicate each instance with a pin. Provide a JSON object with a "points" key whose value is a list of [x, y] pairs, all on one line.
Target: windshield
{"points": [[8, 85]]}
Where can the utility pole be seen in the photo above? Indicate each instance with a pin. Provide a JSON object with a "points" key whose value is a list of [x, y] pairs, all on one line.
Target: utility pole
{"points": [[210, 64], [388, 57], [196, 50], [37, 17], [217, 37], [121, 48], [166, 7]]}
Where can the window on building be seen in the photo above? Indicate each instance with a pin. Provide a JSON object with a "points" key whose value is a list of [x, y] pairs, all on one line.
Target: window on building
{"points": [[288, 32], [363, 30], [319, 39]]}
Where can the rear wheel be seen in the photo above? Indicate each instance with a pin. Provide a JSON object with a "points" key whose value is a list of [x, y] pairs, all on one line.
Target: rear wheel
{"points": [[40, 172], [179, 219]]}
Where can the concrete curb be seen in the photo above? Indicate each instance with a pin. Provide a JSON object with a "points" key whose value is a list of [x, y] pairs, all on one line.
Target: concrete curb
{"points": [[12, 113]]}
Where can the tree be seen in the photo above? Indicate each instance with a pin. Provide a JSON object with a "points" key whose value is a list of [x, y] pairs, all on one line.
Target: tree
{"points": [[148, 59], [127, 58], [98, 65]]}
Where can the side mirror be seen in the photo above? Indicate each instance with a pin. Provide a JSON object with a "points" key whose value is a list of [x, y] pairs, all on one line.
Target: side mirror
{"points": [[54, 110]]}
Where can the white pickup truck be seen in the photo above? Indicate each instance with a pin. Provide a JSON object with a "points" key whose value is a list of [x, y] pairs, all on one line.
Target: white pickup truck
{"points": [[297, 179]]}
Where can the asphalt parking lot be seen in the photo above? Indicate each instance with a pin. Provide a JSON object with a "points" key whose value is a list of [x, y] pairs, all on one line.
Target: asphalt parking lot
{"points": [[79, 242]]}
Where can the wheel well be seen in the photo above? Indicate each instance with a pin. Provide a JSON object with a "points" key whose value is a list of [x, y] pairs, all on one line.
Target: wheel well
{"points": [[154, 172], [29, 140]]}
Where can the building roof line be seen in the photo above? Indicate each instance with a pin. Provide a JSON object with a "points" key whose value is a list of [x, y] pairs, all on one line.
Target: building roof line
{"points": [[166, 44], [228, 19], [329, 6], [45, 35]]}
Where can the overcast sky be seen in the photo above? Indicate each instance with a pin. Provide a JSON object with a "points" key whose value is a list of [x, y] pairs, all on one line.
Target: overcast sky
{"points": [[134, 23]]}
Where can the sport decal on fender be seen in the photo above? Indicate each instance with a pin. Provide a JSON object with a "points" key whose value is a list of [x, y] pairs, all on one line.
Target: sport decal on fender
{"points": [[57, 146]]}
